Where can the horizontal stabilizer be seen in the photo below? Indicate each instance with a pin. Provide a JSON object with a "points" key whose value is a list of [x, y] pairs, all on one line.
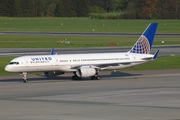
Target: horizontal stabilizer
{"points": [[156, 54]]}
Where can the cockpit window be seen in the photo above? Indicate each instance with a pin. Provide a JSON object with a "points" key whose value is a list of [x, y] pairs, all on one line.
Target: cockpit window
{"points": [[13, 63]]}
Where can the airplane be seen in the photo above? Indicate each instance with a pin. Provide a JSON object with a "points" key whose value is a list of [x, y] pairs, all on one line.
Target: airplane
{"points": [[87, 65]]}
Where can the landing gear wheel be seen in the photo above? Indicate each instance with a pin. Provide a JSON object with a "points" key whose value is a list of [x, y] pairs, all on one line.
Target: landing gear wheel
{"points": [[95, 78], [98, 78], [76, 78], [25, 81], [24, 77]]}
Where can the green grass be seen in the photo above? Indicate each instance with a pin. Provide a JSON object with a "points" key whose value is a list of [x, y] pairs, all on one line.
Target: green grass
{"points": [[162, 62], [3, 62], [43, 41], [80, 25], [84, 25]]}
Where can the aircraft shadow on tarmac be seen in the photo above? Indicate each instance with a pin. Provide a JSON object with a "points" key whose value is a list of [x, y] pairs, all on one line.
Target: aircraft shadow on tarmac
{"points": [[61, 78], [119, 74]]}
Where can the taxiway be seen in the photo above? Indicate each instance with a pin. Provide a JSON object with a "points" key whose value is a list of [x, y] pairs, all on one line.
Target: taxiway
{"points": [[123, 95]]}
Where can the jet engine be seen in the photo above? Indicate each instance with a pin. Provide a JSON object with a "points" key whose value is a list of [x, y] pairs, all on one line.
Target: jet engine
{"points": [[86, 72], [53, 73]]}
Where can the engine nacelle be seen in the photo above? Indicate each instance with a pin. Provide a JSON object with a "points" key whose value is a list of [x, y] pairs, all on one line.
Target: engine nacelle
{"points": [[86, 72], [53, 73]]}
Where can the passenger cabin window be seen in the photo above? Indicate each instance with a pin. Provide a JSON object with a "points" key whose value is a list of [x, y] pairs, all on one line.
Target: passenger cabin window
{"points": [[13, 63]]}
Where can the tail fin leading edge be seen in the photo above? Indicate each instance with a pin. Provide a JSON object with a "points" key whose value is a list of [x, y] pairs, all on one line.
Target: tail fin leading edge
{"points": [[144, 43]]}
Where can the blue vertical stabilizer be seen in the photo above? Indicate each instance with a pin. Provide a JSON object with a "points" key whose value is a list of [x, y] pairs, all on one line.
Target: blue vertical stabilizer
{"points": [[144, 43]]}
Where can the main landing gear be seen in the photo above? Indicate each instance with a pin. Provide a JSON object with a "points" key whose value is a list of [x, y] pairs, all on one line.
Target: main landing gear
{"points": [[92, 78], [95, 78], [75, 77], [24, 77]]}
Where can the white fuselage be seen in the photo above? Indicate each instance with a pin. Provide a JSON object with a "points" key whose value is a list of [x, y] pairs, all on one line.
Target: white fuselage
{"points": [[70, 62]]}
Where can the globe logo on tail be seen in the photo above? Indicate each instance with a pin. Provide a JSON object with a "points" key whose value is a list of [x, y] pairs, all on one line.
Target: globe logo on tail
{"points": [[142, 46]]}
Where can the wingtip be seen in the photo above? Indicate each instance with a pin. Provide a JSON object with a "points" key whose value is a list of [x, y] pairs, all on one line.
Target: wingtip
{"points": [[52, 51]]}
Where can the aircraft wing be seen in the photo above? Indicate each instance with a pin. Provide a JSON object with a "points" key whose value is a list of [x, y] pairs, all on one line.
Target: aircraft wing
{"points": [[101, 66]]}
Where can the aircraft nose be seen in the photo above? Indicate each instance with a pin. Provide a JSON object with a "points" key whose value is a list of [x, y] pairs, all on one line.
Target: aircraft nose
{"points": [[7, 68]]}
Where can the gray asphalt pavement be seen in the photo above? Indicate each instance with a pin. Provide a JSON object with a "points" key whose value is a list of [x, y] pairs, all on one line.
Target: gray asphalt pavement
{"points": [[124, 95]]}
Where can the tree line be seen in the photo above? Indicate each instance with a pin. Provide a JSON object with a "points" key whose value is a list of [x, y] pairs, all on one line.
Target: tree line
{"points": [[127, 9]]}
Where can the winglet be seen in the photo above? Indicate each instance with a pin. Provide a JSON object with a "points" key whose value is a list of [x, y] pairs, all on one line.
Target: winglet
{"points": [[52, 51], [156, 54], [144, 43]]}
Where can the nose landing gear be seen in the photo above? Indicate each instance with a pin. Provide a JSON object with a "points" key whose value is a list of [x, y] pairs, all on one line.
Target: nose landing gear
{"points": [[24, 77]]}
